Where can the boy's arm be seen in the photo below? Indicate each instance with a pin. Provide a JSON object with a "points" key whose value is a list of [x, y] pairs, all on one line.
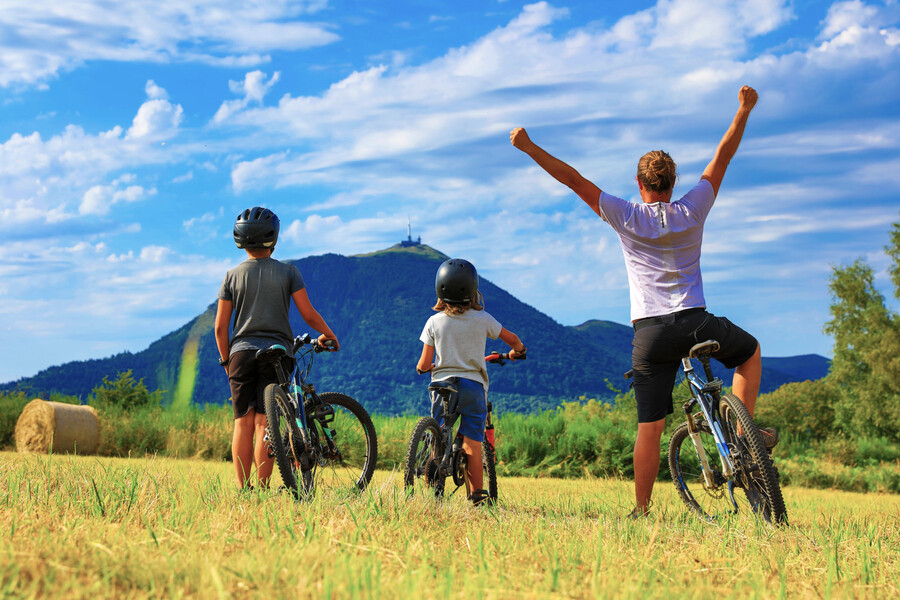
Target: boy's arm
{"points": [[559, 170], [313, 318], [426, 360], [223, 320], [715, 170], [518, 348]]}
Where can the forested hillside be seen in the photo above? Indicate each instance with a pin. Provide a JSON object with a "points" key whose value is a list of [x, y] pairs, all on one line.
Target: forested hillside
{"points": [[377, 304]]}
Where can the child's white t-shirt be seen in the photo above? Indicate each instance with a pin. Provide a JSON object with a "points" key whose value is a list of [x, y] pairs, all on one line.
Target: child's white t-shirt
{"points": [[459, 344]]}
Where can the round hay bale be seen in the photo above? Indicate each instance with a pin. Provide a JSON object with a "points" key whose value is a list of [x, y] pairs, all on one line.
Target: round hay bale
{"points": [[45, 426]]}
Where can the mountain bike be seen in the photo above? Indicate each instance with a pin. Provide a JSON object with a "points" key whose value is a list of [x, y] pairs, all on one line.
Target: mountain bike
{"points": [[318, 440], [717, 458], [432, 457]]}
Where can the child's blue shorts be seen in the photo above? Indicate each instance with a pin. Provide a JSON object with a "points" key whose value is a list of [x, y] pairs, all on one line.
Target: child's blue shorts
{"points": [[470, 402]]}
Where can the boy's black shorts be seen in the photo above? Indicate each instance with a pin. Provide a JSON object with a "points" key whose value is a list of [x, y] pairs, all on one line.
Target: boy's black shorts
{"points": [[248, 379], [661, 342]]}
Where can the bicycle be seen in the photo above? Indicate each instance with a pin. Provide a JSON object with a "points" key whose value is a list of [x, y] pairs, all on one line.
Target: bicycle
{"points": [[722, 428], [431, 455], [328, 438]]}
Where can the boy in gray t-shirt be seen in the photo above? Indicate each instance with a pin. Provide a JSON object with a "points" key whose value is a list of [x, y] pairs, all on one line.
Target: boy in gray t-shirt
{"points": [[454, 345], [258, 292]]}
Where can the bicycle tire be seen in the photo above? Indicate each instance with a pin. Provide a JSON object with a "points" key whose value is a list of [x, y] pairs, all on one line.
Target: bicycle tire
{"points": [[757, 476], [489, 460], [687, 475], [426, 446], [280, 423], [354, 437]]}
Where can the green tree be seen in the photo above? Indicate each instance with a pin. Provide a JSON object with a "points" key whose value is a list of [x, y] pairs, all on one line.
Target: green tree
{"points": [[124, 393], [866, 365]]}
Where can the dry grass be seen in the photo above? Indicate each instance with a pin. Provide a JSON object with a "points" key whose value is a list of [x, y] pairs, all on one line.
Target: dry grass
{"points": [[140, 528]]}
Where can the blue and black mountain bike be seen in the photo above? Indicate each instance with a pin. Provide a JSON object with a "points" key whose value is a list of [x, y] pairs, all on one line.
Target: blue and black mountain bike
{"points": [[718, 460], [319, 440]]}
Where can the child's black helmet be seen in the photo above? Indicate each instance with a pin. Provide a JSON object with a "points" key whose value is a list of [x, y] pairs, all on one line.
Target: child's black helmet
{"points": [[256, 227], [456, 281]]}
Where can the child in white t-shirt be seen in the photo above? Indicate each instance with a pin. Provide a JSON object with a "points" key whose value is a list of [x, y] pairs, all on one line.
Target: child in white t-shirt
{"points": [[454, 346]]}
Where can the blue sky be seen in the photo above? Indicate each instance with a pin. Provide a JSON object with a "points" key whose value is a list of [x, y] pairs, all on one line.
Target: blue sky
{"points": [[131, 137]]}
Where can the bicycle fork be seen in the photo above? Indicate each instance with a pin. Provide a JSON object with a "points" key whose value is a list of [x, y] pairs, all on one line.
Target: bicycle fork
{"points": [[715, 429]]}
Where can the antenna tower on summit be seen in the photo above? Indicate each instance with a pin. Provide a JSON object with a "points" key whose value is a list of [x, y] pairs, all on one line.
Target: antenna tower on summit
{"points": [[409, 241]]}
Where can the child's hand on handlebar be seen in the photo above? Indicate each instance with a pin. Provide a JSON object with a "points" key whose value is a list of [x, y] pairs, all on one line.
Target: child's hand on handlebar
{"points": [[329, 343], [518, 355]]}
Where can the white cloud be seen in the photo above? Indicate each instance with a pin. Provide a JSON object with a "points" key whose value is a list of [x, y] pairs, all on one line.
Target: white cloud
{"points": [[154, 92], [44, 38], [78, 173], [254, 88], [157, 120], [99, 199]]}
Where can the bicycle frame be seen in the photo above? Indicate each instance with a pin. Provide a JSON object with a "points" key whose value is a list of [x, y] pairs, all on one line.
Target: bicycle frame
{"points": [[298, 390], [706, 394], [449, 419]]}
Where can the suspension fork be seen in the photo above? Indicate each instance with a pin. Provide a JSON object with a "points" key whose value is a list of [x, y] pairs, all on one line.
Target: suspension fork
{"points": [[694, 430]]}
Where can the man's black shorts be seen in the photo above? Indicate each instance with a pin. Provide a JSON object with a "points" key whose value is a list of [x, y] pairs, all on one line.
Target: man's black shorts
{"points": [[248, 379], [659, 346]]}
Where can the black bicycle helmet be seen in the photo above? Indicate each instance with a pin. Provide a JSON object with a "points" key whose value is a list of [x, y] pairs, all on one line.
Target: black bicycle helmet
{"points": [[456, 281], [256, 227]]}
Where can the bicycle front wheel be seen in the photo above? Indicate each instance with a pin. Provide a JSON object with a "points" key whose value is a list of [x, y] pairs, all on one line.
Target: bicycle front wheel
{"points": [[347, 442], [282, 432], [756, 479], [423, 454], [707, 495]]}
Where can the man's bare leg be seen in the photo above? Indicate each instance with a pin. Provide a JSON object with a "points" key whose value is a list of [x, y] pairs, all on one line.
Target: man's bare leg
{"points": [[646, 461], [746, 380]]}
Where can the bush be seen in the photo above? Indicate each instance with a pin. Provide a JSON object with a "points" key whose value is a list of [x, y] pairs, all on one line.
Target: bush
{"points": [[805, 409], [124, 393]]}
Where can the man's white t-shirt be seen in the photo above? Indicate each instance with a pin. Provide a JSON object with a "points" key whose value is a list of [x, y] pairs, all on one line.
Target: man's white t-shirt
{"points": [[459, 342], [661, 243]]}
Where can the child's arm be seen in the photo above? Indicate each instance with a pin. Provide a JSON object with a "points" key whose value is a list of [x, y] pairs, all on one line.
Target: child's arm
{"points": [[223, 320], [313, 318], [518, 348], [425, 361]]}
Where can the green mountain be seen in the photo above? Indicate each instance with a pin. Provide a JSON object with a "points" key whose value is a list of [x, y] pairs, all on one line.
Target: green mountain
{"points": [[377, 304]]}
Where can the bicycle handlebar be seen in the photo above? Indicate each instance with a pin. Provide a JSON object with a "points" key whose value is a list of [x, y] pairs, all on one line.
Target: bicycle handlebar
{"points": [[306, 339], [501, 357]]}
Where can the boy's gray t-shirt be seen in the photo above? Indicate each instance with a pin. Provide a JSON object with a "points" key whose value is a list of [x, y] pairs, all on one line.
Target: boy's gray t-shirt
{"points": [[260, 290], [459, 342]]}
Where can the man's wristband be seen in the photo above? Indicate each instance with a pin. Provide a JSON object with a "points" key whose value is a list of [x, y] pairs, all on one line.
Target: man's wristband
{"points": [[223, 362]]}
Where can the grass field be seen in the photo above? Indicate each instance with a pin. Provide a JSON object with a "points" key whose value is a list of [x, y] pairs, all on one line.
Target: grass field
{"points": [[144, 528]]}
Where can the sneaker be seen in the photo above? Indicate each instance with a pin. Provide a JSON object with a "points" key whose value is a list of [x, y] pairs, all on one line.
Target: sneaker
{"points": [[479, 498], [769, 437]]}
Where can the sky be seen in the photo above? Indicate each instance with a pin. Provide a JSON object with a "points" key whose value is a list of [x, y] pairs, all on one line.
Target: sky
{"points": [[132, 133]]}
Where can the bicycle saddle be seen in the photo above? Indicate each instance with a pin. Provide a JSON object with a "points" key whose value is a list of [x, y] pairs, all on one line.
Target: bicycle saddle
{"points": [[707, 348], [442, 386], [272, 353]]}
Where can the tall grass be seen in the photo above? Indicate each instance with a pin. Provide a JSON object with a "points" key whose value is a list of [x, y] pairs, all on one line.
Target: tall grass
{"points": [[149, 528], [578, 439]]}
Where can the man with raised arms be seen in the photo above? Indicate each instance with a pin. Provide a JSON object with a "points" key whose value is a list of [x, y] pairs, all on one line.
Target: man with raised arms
{"points": [[661, 241]]}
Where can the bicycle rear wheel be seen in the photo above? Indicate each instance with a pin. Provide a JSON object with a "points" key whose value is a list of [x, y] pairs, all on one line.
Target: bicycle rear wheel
{"points": [[282, 431], [756, 478], [347, 442], [423, 454]]}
